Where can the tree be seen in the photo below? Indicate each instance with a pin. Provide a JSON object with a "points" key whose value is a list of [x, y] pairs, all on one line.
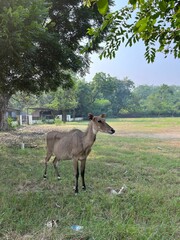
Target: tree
{"points": [[158, 100], [64, 99], [143, 91], [22, 101], [103, 86], [84, 98], [122, 95], [176, 102], [26, 51], [155, 22], [102, 106], [40, 41], [117, 92], [161, 102]]}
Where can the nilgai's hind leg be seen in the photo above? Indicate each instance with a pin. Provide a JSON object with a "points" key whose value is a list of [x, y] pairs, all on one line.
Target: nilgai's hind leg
{"points": [[83, 165], [48, 156], [55, 162], [76, 174]]}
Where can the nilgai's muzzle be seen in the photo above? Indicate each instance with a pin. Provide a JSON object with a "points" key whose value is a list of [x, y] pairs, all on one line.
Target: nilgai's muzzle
{"points": [[112, 131]]}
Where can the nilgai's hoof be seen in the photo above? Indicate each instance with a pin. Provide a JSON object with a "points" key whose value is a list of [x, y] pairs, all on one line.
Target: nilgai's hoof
{"points": [[59, 178], [75, 190], [45, 176]]}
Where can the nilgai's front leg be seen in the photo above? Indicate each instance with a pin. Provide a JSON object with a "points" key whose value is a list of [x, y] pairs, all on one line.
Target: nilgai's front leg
{"points": [[76, 174], [83, 165]]}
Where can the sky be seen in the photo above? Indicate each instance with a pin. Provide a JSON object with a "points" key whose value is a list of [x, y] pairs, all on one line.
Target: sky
{"points": [[130, 62]]}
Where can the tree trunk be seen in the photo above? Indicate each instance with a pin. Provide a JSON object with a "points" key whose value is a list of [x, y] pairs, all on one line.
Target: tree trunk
{"points": [[4, 100], [64, 116], [74, 114]]}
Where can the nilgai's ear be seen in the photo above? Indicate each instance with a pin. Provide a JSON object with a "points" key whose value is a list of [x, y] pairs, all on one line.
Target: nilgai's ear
{"points": [[90, 116], [103, 115]]}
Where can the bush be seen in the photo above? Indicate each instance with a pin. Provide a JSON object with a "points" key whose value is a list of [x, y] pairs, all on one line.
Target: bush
{"points": [[58, 121], [10, 122]]}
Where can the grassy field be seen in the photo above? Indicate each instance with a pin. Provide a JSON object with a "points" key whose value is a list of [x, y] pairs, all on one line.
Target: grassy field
{"points": [[143, 155]]}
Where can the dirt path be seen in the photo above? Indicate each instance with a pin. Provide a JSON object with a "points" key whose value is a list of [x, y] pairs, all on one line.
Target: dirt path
{"points": [[30, 135], [35, 134], [152, 135]]}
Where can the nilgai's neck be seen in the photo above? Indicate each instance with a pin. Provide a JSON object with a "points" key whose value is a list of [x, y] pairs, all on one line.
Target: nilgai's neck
{"points": [[89, 136]]}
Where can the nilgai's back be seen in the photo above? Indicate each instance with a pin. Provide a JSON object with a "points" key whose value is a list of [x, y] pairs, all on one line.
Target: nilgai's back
{"points": [[64, 144]]}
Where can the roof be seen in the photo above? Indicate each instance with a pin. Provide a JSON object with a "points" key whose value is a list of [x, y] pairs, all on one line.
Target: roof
{"points": [[13, 109], [41, 108]]}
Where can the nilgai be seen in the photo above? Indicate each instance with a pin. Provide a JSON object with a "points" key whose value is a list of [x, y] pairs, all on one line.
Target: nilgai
{"points": [[75, 145]]}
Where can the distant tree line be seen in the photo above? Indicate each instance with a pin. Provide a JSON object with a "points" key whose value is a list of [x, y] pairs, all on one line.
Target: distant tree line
{"points": [[106, 94]]}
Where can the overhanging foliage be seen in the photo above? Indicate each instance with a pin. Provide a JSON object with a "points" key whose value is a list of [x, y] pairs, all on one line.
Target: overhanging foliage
{"points": [[155, 22]]}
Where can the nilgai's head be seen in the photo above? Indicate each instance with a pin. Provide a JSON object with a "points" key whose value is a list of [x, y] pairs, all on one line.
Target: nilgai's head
{"points": [[99, 124]]}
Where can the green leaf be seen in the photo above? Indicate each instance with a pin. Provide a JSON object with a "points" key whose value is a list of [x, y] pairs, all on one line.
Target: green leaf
{"points": [[104, 24], [141, 24], [91, 31], [141, 21], [163, 6], [102, 6], [133, 3], [142, 27]]}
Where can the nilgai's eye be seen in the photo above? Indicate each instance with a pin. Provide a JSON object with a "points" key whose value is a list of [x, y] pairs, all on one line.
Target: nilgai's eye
{"points": [[99, 121]]}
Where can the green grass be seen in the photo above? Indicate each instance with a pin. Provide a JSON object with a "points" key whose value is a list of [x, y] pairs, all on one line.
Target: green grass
{"points": [[149, 209], [145, 125]]}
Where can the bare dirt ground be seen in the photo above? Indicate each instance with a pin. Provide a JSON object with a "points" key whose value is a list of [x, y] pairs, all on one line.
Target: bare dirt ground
{"points": [[28, 135], [163, 135], [34, 135]]}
